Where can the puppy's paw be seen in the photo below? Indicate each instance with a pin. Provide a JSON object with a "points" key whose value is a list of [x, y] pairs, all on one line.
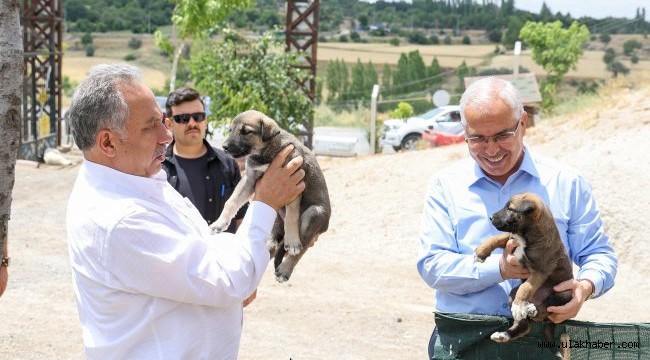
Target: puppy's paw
{"points": [[220, 225], [271, 243], [500, 337], [281, 277], [523, 310], [293, 249], [478, 258]]}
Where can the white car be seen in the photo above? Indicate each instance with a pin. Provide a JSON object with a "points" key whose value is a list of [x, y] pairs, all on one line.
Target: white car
{"points": [[404, 134]]}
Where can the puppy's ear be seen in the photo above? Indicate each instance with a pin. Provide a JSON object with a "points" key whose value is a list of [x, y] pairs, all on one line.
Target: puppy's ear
{"points": [[268, 129], [525, 206]]}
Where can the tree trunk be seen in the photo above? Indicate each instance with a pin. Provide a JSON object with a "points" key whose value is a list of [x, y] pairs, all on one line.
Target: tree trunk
{"points": [[11, 94], [177, 58]]}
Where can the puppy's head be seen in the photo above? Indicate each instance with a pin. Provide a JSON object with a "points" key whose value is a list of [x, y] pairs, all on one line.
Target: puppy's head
{"points": [[520, 212], [249, 133]]}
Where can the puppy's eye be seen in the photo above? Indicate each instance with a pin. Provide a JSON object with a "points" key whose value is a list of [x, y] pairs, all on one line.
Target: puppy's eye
{"points": [[245, 131]]}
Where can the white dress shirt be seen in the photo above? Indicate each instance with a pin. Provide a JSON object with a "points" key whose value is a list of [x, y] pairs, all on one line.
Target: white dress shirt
{"points": [[150, 280]]}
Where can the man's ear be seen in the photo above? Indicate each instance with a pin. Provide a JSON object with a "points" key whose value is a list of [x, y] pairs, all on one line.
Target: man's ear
{"points": [[168, 122], [105, 142]]}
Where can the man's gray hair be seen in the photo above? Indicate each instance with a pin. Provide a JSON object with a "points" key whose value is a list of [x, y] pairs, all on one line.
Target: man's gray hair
{"points": [[481, 94], [98, 103]]}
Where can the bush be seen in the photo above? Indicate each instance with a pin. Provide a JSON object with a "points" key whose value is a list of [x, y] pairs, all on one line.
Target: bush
{"points": [[130, 57], [402, 111], [394, 41], [90, 50], [343, 38], [447, 40], [605, 38], [86, 39], [466, 40], [354, 36], [135, 43]]}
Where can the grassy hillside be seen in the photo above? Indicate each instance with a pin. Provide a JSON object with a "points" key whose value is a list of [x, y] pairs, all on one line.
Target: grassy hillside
{"points": [[113, 47]]}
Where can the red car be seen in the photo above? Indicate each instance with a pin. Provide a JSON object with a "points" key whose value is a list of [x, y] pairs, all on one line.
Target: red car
{"points": [[437, 138]]}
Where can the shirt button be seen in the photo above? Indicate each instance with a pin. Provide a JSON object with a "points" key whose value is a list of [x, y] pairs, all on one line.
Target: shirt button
{"points": [[505, 305], [210, 200], [207, 177]]}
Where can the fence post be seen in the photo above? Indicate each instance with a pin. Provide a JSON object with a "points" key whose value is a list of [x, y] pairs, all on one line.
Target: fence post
{"points": [[373, 118]]}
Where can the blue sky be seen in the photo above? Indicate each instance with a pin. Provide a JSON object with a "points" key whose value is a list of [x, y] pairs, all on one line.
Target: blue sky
{"points": [[595, 8]]}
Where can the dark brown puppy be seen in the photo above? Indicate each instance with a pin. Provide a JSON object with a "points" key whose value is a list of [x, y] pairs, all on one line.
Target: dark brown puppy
{"points": [[527, 219], [260, 139]]}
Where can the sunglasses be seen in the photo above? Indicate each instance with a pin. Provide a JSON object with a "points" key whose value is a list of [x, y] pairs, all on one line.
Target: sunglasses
{"points": [[185, 118]]}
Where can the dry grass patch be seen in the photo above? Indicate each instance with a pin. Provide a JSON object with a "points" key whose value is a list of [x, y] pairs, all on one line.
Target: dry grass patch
{"points": [[448, 55]]}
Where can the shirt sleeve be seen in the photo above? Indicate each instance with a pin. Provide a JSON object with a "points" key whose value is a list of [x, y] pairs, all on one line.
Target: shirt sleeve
{"points": [[235, 180], [590, 246], [146, 254], [440, 264]]}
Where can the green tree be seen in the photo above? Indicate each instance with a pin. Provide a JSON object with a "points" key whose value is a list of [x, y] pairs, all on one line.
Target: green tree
{"points": [[193, 19], [435, 73], [337, 79], [609, 56], [630, 45], [87, 39], [386, 76], [416, 70], [616, 67], [466, 40], [605, 38], [358, 86], [370, 74], [512, 32], [402, 111], [240, 75], [557, 50]]}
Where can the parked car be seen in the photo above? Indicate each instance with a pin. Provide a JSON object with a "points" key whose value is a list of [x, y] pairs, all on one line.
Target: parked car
{"points": [[437, 138], [404, 134]]}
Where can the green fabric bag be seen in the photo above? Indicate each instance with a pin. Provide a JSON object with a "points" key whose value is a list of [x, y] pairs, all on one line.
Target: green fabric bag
{"points": [[467, 336]]}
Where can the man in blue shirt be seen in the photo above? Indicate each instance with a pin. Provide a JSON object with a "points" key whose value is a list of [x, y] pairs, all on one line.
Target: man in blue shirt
{"points": [[461, 198]]}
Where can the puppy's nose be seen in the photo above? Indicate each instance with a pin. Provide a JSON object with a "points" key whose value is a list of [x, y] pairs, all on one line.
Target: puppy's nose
{"points": [[490, 217], [225, 147]]}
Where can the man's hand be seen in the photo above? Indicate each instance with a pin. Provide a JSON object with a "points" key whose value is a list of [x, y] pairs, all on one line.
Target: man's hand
{"points": [[581, 291], [281, 184], [4, 278], [250, 299], [509, 265]]}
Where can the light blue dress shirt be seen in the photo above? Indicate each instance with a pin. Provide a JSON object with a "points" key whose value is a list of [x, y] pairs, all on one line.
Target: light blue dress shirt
{"points": [[455, 221]]}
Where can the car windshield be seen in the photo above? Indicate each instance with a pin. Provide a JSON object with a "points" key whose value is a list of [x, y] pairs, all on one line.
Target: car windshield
{"points": [[431, 113]]}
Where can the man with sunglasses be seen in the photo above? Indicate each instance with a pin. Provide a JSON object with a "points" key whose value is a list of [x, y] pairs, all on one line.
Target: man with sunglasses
{"points": [[461, 198], [205, 175]]}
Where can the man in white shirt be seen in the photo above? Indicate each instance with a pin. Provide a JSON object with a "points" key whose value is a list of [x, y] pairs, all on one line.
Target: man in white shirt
{"points": [[150, 280]]}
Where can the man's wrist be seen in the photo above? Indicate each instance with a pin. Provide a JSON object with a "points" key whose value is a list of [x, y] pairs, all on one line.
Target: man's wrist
{"points": [[593, 288]]}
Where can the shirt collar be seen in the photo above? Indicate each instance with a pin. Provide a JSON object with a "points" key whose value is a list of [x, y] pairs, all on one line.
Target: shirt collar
{"points": [[527, 165], [109, 177]]}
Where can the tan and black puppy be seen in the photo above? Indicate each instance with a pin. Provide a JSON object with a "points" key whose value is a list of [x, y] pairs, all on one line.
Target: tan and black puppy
{"points": [[527, 219], [260, 139]]}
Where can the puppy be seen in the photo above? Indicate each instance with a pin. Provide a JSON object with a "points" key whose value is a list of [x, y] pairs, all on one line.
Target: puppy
{"points": [[527, 219], [260, 139]]}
